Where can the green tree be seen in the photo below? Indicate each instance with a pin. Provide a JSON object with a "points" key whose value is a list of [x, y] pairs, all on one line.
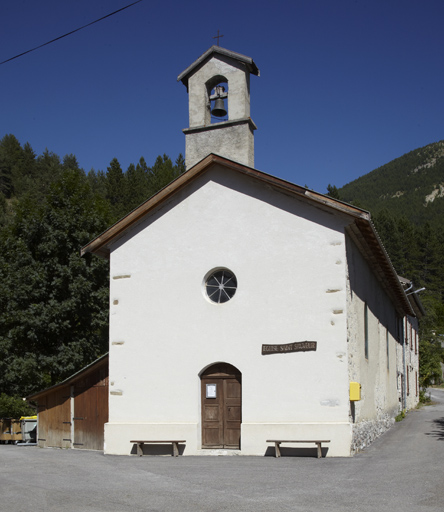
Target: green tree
{"points": [[14, 407], [431, 261], [116, 189], [142, 181], [48, 169], [137, 184], [70, 162], [162, 173], [431, 353], [53, 303], [180, 164], [400, 239], [333, 192], [11, 156], [25, 176], [97, 182], [3, 208]]}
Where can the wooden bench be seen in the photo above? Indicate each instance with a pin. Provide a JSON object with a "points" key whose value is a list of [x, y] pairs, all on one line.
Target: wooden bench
{"points": [[277, 444], [141, 443]]}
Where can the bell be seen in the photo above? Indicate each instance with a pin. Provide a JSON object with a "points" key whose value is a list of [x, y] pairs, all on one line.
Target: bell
{"points": [[219, 108]]}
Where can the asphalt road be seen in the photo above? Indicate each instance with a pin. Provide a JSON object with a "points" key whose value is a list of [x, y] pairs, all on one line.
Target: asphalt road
{"points": [[402, 471]]}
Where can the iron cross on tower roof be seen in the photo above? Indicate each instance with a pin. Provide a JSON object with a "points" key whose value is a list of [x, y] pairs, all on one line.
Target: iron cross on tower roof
{"points": [[218, 37]]}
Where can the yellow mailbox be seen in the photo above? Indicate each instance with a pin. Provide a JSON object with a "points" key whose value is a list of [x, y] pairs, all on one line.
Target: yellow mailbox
{"points": [[355, 391]]}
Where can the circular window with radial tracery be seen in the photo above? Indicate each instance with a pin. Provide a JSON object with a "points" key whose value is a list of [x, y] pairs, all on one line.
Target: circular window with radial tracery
{"points": [[220, 286]]}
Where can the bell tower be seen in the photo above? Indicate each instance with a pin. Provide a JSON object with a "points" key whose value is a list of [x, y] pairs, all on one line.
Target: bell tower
{"points": [[218, 85]]}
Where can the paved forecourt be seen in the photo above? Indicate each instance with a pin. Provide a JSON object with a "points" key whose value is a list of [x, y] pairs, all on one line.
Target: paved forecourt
{"points": [[403, 470]]}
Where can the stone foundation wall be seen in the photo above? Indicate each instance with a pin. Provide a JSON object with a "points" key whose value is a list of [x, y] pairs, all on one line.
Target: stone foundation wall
{"points": [[365, 432]]}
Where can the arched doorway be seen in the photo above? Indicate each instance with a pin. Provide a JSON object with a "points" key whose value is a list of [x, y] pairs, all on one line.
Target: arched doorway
{"points": [[221, 392]]}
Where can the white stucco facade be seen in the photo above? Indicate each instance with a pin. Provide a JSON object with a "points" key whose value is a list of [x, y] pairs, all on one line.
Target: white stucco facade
{"points": [[164, 331]]}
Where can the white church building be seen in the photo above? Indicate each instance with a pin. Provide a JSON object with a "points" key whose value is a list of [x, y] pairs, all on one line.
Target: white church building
{"points": [[245, 308]]}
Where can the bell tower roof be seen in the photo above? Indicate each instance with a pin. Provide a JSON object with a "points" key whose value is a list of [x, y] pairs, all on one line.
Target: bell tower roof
{"points": [[217, 50]]}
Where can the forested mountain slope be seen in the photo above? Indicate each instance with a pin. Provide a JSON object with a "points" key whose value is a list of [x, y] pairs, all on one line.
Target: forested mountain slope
{"points": [[406, 200], [411, 186]]}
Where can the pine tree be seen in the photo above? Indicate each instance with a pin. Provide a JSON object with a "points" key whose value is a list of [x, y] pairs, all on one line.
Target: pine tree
{"points": [[116, 189], [11, 156]]}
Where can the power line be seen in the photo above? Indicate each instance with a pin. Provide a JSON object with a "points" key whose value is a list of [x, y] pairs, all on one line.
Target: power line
{"points": [[69, 33]]}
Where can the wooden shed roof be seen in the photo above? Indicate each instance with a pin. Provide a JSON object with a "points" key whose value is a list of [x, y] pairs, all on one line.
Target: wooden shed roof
{"points": [[101, 361]]}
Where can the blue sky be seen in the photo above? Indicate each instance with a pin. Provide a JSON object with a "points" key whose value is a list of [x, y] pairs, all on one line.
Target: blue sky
{"points": [[344, 86]]}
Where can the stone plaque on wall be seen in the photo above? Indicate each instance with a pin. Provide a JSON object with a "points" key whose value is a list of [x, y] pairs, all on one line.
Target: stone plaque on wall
{"points": [[298, 346]]}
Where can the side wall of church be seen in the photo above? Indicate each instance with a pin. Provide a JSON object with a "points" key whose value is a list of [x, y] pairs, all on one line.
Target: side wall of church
{"points": [[373, 351], [289, 259]]}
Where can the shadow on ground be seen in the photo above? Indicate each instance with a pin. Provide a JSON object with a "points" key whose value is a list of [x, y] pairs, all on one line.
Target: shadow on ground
{"points": [[438, 432]]}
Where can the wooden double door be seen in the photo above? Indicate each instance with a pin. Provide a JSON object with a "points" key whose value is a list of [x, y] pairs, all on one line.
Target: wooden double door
{"points": [[90, 416], [221, 407]]}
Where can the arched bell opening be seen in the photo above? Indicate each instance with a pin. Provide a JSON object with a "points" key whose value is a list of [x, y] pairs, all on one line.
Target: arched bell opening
{"points": [[221, 400], [217, 93]]}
